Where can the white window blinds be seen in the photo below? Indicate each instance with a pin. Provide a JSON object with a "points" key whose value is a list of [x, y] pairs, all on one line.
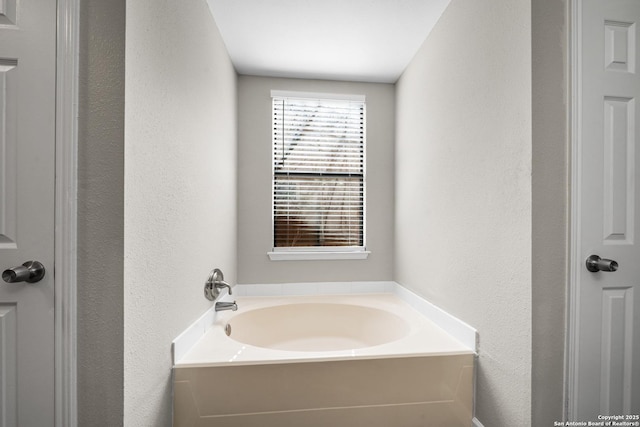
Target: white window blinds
{"points": [[318, 172]]}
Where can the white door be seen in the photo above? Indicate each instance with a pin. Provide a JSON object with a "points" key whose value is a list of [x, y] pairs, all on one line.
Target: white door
{"points": [[607, 311], [27, 132]]}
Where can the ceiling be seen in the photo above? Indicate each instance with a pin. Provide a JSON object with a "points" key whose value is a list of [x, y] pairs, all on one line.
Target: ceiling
{"points": [[352, 40]]}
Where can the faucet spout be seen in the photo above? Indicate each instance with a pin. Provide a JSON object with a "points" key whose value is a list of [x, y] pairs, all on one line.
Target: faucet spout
{"points": [[223, 306]]}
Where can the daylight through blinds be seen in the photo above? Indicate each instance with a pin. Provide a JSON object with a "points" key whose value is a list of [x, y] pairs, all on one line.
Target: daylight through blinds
{"points": [[318, 180]]}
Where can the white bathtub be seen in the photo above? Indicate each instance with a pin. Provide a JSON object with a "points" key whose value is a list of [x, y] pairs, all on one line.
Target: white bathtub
{"points": [[341, 360], [307, 328]]}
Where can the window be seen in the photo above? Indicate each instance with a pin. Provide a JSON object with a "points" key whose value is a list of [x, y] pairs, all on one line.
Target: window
{"points": [[318, 174]]}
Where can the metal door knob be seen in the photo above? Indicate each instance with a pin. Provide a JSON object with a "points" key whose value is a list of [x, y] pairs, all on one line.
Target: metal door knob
{"points": [[30, 272], [595, 263]]}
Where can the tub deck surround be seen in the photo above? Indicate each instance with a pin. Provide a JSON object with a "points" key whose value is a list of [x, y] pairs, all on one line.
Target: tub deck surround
{"points": [[420, 336], [456, 329]]}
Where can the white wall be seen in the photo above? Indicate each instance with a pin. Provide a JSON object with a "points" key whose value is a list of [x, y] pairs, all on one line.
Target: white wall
{"points": [[254, 185], [180, 188], [463, 189]]}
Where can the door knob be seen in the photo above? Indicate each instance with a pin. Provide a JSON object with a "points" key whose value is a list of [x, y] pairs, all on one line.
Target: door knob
{"points": [[30, 272], [595, 263]]}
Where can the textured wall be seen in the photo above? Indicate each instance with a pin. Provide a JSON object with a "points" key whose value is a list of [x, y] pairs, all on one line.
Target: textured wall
{"points": [[254, 185], [463, 189], [101, 213], [550, 208], [180, 188]]}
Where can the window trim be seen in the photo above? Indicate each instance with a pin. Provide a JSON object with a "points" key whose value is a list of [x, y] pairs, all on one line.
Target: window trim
{"points": [[318, 253], [313, 254]]}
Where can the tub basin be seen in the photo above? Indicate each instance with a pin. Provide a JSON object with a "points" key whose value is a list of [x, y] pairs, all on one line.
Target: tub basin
{"points": [[317, 327]]}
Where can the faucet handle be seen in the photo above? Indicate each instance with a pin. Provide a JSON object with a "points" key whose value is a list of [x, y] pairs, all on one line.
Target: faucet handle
{"points": [[221, 285], [216, 276], [218, 280], [214, 283]]}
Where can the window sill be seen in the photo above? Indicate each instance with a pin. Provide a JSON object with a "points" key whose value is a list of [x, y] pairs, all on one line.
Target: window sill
{"points": [[317, 256]]}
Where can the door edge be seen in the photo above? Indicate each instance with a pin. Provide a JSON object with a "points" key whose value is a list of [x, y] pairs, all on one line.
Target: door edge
{"points": [[574, 120], [65, 271]]}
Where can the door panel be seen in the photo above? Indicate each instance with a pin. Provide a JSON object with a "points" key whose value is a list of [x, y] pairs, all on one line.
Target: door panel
{"points": [[617, 345], [8, 365], [607, 380], [619, 132], [27, 156], [8, 12], [8, 138]]}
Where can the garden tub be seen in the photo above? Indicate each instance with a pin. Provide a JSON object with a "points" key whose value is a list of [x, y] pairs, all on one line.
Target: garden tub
{"points": [[324, 360]]}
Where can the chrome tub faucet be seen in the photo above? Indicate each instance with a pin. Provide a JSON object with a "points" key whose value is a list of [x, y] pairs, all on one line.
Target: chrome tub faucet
{"points": [[214, 284], [222, 306]]}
